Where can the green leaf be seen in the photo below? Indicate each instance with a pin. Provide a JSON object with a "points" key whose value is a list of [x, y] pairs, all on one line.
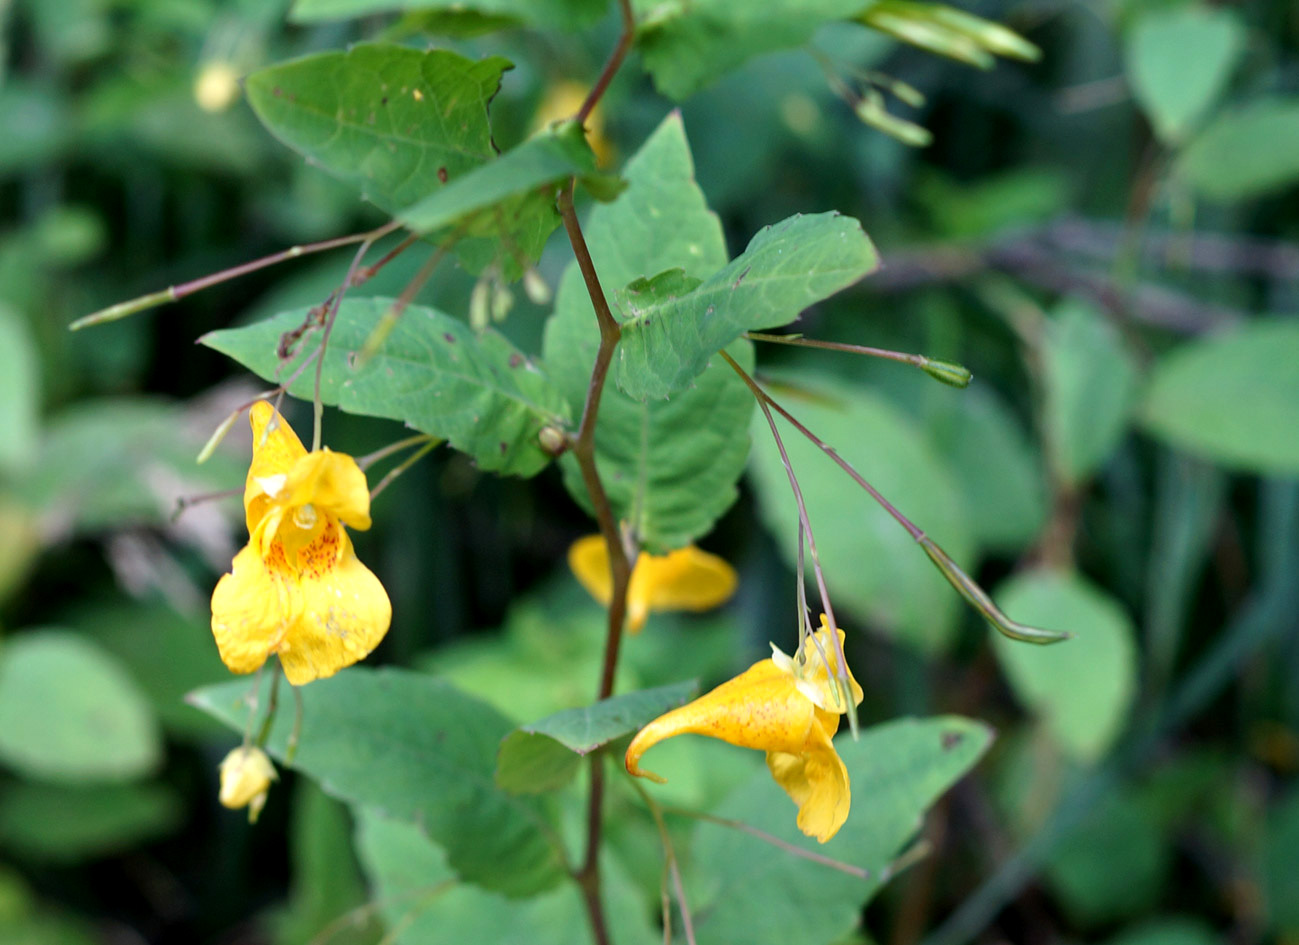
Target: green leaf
{"points": [[687, 46], [563, 14], [669, 467], [63, 823], [787, 267], [410, 876], [511, 201], [1280, 865], [544, 755], [872, 566], [1232, 398], [418, 750], [1169, 930], [1246, 152], [20, 392], [749, 893], [1081, 689], [1090, 384], [1178, 63], [473, 389], [391, 120], [327, 881], [69, 712]]}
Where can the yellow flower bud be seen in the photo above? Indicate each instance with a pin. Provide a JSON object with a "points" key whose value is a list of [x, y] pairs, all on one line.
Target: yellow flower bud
{"points": [[246, 776], [216, 87]]}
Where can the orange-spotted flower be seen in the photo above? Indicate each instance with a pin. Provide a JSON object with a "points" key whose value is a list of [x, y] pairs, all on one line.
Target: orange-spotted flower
{"points": [[297, 589], [788, 707], [685, 579]]}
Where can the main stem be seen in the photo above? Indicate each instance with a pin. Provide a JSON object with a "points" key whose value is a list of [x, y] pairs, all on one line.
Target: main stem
{"points": [[582, 447]]}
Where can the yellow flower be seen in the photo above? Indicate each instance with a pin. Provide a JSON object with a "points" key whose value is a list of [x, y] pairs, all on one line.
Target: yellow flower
{"points": [[297, 588], [788, 707], [562, 100], [685, 579], [246, 776]]}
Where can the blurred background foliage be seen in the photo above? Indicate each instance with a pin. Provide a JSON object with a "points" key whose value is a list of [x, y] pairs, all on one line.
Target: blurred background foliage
{"points": [[1108, 239]]}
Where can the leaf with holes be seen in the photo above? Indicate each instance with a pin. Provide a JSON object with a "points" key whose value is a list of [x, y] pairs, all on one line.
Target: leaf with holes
{"points": [[475, 390]]}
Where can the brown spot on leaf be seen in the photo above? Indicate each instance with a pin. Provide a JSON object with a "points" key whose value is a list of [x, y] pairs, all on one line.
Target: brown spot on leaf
{"points": [[516, 359], [442, 174], [951, 740], [450, 338]]}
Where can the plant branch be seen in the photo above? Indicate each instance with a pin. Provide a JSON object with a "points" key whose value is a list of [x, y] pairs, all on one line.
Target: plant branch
{"points": [[612, 65], [177, 292], [670, 857], [404, 465], [765, 837], [951, 374], [583, 448]]}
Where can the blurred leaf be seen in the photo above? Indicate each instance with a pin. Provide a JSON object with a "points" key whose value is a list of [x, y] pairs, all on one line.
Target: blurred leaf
{"points": [[669, 467], [1245, 152], [20, 543], [168, 653], [686, 46], [512, 198], [1001, 475], [748, 893], [37, 122], [69, 712], [1232, 398], [327, 881], [667, 342], [1082, 688], [1114, 863], [544, 755], [1171, 930], [1178, 62], [410, 876], [984, 207], [61, 824], [551, 14], [20, 392], [872, 566], [1280, 866], [1090, 389], [433, 372], [419, 750], [116, 460], [389, 119]]}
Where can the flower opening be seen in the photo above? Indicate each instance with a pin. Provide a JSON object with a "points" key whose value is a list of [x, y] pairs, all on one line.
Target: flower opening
{"points": [[297, 588], [777, 706]]}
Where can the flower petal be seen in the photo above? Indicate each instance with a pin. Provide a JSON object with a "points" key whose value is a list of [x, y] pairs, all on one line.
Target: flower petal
{"points": [[275, 449], [761, 708], [817, 781], [343, 613], [249, 608], [331, 482], [588, 559], [688, 578]]}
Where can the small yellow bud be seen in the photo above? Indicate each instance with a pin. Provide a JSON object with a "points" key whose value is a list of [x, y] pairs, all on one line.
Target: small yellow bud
{"points": [[216, 87], [246, 776]]}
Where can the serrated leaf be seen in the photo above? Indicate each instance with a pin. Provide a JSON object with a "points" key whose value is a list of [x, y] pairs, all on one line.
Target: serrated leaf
{"points": [[544, 755], [1080, 689], [1091, 386], [567, 14], [1245, 152], [872, 566], [69, 712], [687, 46], [1232, 398], [749, 893], [669, 467], [786, 268], [421, 751], [433, 372], [1179, 61], [410, 876], [396, 122]]}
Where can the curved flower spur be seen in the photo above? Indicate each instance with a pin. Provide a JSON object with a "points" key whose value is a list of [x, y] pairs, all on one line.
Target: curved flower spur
{"points": [[297, 588]]}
